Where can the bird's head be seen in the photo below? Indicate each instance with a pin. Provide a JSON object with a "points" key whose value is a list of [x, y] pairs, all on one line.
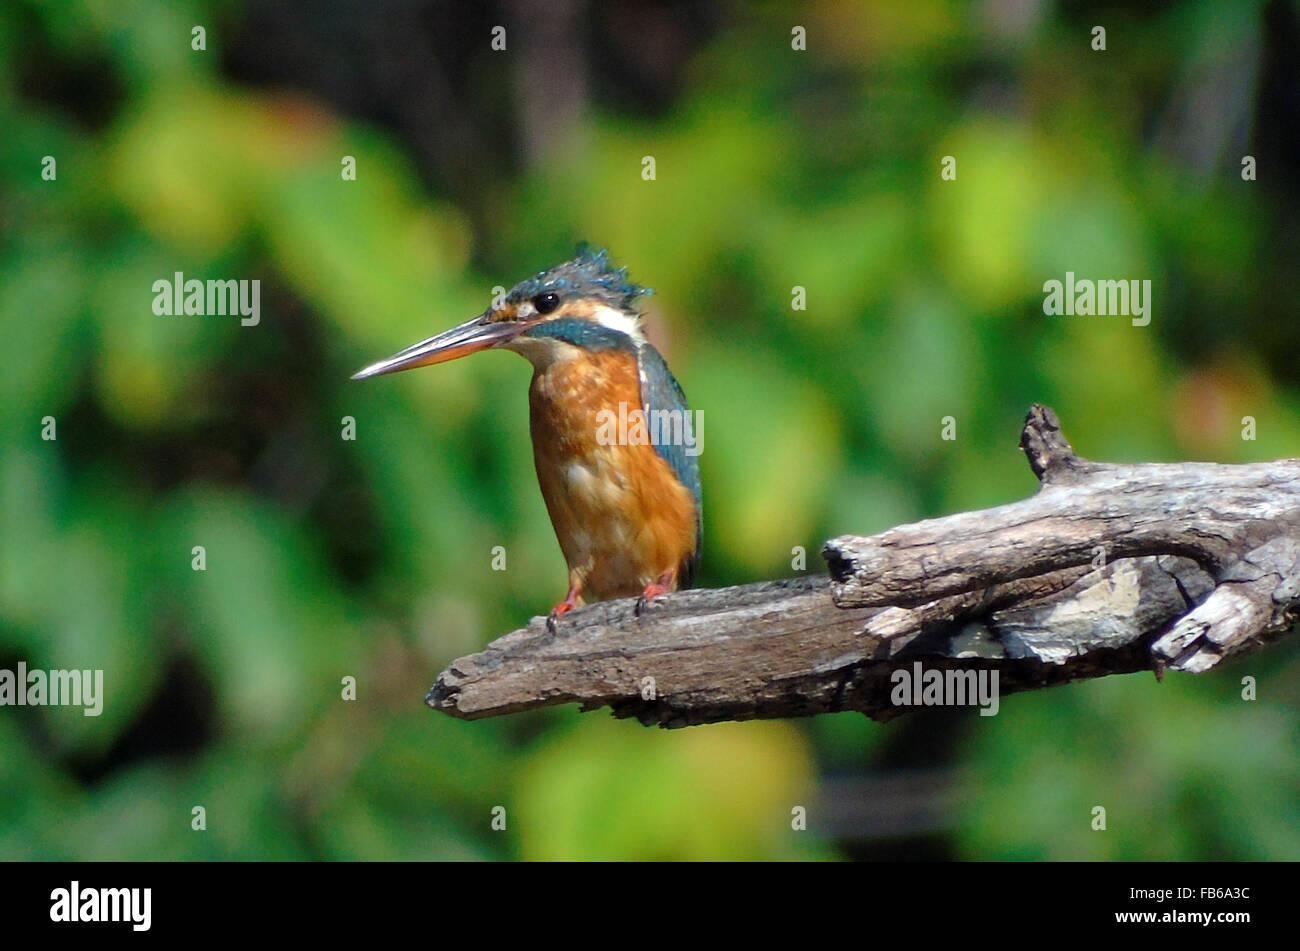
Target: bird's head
{"points": [[581, 305]]}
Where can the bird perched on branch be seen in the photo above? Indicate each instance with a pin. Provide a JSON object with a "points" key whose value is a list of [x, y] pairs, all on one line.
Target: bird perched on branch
{"points": [[614, 443]]}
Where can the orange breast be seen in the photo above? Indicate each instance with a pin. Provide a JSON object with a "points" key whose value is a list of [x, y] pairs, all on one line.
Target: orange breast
{"points": [[621, 517]]}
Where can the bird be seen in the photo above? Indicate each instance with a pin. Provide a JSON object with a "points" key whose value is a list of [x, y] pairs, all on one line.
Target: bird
{"points": [[623, 493]]}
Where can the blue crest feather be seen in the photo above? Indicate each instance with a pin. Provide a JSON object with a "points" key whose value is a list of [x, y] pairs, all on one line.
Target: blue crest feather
{"points": [[588, 274]]}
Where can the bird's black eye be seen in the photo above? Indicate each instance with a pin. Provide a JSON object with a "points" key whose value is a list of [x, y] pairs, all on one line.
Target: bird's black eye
{"points": [[545, 303]]}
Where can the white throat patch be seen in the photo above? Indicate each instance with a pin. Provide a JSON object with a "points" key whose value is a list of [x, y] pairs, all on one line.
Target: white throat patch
{"points": [[617, 320]]}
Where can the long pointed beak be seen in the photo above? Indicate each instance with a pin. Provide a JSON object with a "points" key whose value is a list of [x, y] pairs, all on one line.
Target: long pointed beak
{"points": [[470, 337]]}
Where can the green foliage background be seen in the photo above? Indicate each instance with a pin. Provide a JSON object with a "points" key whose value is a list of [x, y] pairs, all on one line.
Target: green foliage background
{"points": [[371, 558]]}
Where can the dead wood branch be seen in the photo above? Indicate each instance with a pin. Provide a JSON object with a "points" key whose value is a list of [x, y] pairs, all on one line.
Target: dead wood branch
{"points": [[1106, 569]]}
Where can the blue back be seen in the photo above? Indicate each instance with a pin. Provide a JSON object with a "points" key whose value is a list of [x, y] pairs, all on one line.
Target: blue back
{"points": [[661, 391]]}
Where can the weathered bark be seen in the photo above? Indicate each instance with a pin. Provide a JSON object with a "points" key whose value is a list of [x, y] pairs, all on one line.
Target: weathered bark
{"points": [[1107, 569]]}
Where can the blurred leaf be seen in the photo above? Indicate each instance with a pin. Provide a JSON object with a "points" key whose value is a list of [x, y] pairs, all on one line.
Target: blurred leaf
{"points": [[610, 790]]}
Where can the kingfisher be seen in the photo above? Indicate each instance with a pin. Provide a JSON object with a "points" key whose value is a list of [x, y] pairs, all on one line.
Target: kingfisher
{"points": [[623, 493]]}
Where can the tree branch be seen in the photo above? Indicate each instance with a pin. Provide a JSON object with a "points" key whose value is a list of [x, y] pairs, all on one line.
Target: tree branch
{"points": [[1107, 569]]}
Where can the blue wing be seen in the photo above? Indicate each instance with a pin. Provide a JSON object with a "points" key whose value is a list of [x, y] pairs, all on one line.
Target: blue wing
{"points": [[661, 391]]}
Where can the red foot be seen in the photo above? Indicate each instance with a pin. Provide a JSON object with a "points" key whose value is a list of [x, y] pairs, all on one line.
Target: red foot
{"points": [[663, 586], [564, 607]]}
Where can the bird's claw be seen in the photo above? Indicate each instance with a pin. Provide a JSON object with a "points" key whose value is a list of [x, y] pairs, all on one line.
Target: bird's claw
{"points": [[553, 619], [649, 594]]}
